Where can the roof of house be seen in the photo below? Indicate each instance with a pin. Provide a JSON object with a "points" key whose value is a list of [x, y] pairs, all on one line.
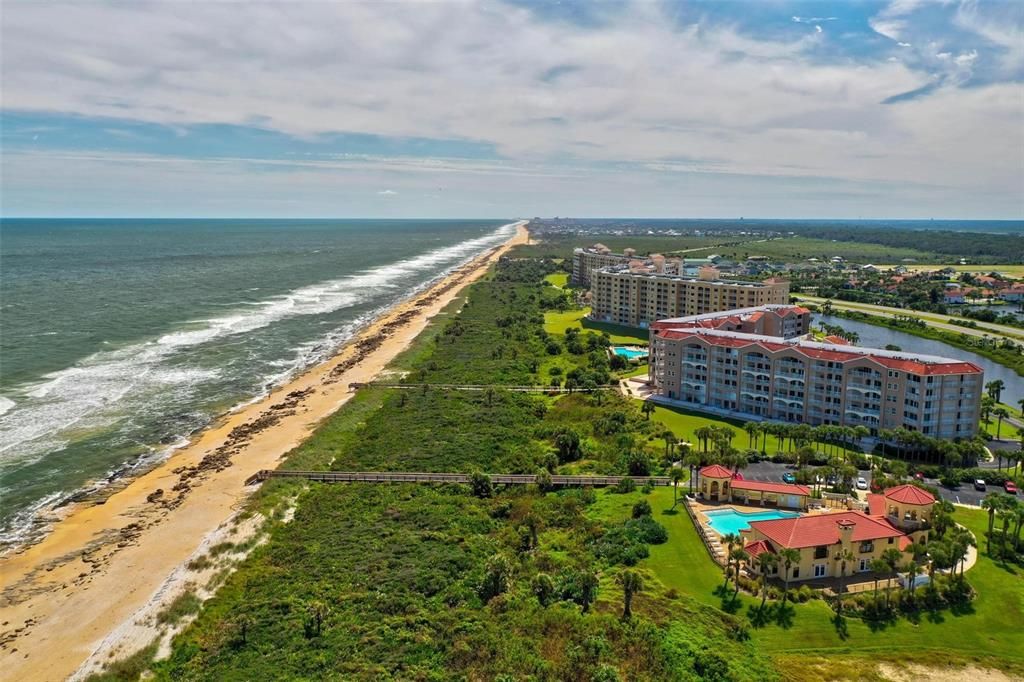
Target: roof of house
{"points": [[909, 494], [769, 487], [823, 529], [716, 471], [758, 547], [876, 504]]}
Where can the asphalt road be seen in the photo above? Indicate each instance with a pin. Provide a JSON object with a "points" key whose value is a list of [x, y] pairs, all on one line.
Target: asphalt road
{"points": [[965, 494]]}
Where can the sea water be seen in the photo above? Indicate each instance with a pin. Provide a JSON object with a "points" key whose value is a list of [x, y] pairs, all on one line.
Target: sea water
{"points": [[121, 338]]}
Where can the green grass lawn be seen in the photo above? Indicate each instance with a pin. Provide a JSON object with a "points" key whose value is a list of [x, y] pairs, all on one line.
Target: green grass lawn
{"points": [[559, 279], [993, 628], [557, 322]]}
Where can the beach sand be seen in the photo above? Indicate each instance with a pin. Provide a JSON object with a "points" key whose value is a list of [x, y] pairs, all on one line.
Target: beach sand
{"points": [[102, 564]]}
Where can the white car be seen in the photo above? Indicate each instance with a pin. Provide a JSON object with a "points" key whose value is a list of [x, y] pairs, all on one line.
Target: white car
{"points": [[862, 484]]}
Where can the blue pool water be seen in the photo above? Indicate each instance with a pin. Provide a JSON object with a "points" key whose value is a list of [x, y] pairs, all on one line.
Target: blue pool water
{"points": [[629, 353], [725, 521]]}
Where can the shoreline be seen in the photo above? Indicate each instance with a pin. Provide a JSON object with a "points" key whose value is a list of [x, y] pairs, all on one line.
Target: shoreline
{"points": [[101, 563]]}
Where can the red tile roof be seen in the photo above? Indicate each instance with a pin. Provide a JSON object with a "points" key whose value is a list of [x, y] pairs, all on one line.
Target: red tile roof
{"points": [[769, 487], [904, 364], [823, 529], [758, 547], [909, 494], [876, 504], [836, 340], [716, 471]]}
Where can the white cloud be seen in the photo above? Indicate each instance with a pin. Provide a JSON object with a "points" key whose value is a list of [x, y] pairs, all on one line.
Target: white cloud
{"points": [[635, 90], [387, 192]]}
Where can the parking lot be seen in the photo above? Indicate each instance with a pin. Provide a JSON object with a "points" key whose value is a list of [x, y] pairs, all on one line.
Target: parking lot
{"points": [[965, 494]]}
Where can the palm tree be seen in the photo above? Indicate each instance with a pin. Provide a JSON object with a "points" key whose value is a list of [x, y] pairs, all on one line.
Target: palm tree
{"points": [[1018, 524], [631, 583], [892, 558], [993, 502], [942, 516], [912, 569], [752, 430], [1006, 515], [844, 557], [692, 460], [995, 389], [788, 556], [318, 612], [961, 540], [1000, 413], [647, 408], [1021, 403], [878, 566], [730, 540], [738, 555], [676, 475], [765, 562], [588, 589], [703, 434]]}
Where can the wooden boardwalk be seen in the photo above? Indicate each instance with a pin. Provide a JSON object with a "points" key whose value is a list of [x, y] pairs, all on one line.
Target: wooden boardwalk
{"points": [[480, 387], [431, 477]]}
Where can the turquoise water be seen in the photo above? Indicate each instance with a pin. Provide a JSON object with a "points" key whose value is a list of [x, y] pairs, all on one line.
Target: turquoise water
{"points": [[123, 337], [725, 521], [629, 353]]}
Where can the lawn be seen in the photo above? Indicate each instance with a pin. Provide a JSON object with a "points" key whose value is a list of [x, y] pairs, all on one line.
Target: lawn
{"points": [[1008, 270], [557, 322], [559, 279], [993, 629]]}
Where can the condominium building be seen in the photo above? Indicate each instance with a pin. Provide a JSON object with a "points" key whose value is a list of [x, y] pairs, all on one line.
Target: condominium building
{"points": [[784, 321], [637, 297], [768, 377], [586, 260]]}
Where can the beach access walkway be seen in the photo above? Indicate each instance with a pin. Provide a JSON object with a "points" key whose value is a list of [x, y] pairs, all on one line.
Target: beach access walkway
{"points": [[578, 481], [480, 387]]}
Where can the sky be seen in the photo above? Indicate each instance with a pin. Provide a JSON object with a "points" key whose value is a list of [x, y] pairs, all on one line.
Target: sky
{"points": [[770, 109]]}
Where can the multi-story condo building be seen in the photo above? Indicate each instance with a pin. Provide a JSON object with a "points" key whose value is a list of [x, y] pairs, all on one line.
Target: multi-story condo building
{"points": [[784, 321], [795, 380], [637, 297], [586, 260]]}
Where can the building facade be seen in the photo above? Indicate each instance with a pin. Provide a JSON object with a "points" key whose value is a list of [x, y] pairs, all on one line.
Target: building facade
{"points": [[638, 297], [586, 260], [823, 539], [794, 380]]}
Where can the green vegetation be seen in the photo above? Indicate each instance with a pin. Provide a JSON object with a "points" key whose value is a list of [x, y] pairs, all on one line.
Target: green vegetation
{"points": [[482, 582], [127, 669], [558, 279], [558, 322], [1006, 352], [795, 249], [184, 605]]}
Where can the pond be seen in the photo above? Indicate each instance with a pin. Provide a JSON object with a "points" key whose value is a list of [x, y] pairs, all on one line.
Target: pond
{"points": [[872, 336]]}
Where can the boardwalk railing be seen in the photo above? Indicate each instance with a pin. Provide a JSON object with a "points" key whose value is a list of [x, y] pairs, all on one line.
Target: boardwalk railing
{"points": [[479, 387], [432, 477]]}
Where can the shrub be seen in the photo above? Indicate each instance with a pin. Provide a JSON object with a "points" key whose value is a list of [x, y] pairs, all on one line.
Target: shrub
{"points": [[625, 486], [641, 509]]}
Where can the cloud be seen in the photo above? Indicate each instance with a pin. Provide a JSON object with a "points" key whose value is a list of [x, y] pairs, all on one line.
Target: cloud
{"points": [[560, 104], [387, 192]]}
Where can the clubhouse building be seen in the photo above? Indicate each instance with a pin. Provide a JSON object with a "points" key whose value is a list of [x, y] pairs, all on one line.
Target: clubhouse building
{"points": [[719, 484], [898, 517]]}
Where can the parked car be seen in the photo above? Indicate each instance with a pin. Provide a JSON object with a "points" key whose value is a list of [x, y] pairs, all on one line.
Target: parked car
{"points": [[919, 476], [862, 483], [788, 477], [979, 484], [1010, 487]]}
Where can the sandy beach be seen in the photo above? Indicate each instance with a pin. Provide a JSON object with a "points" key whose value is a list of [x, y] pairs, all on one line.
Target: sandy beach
{"points": [[62, 597]]}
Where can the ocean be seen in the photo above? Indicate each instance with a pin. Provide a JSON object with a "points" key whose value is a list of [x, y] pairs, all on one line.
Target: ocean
{"points": [[120, 338]]}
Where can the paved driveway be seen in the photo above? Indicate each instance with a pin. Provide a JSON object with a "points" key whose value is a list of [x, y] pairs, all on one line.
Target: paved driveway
{"points": [[965, 494]]}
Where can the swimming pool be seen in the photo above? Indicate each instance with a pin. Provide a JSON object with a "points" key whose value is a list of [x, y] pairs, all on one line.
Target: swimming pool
{"points": [[629, 353], [725, 521]]}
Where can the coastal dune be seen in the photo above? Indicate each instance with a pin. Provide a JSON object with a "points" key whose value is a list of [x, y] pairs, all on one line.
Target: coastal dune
{"points": [[100, 566]]}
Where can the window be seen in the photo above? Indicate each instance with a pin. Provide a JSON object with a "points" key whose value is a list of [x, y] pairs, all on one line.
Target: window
{"points": [[863, 565], [796, 572], [866, 547], [820, 552], [819, 570]]}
